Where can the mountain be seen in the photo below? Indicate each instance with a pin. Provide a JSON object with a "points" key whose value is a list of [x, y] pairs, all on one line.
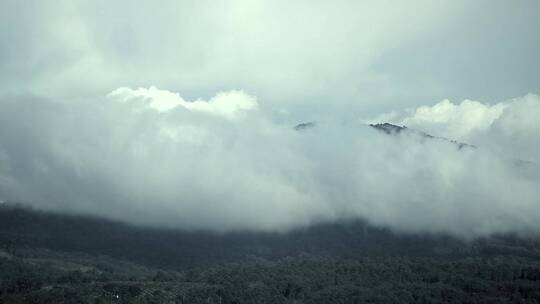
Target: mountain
{"points": [[389, 128], [304, 125], [21, 227]]}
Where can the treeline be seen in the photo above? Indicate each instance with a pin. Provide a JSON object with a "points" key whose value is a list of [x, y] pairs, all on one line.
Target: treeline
{"points": [[54, 258], [303, 279], [168, 248]]}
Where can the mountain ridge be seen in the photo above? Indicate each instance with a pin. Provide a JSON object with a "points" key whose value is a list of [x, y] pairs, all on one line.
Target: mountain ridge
{"points": [[391, 129]]}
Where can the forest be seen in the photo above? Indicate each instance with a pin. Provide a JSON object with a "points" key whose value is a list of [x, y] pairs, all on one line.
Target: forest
{"points": [[53, 258]]}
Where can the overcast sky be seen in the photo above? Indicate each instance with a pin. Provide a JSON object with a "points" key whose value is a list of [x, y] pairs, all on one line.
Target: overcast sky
{"points": [[162, 112], [308, 58]]}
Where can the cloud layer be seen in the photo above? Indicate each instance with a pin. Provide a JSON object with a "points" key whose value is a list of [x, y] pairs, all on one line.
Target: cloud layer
{"points": [[150, 157]]}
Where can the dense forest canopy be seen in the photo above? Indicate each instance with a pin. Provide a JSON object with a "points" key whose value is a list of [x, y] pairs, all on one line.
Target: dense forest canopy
{"points": [[55, 258]]}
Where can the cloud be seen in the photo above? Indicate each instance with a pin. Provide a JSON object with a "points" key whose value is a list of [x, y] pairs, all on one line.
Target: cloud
{"points": [[506, 127], [229, 104], [446, 119], [231, 160], [148, 156], [359, 56], [456, 121], [515, 131]]}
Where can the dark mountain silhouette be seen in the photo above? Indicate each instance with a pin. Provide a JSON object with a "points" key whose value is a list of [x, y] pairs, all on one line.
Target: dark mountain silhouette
{"points": [[21, 227], [389, 128], [304, 125]]}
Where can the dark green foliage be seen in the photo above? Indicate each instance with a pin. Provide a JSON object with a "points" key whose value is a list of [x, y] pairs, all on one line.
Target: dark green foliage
{"points": [[292, 280], [50, 258], [166, 248]]}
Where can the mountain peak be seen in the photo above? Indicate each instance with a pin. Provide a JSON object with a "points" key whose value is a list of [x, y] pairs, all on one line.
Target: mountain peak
{"points": [[388, 128], [304, 125]]}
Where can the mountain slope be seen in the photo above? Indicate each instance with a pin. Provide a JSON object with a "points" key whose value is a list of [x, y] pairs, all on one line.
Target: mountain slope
{"points": [[54, 258]]}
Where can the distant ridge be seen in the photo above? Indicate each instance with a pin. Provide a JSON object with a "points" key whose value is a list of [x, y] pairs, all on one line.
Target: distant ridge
{"points": [[304, 125], [390, 129]]}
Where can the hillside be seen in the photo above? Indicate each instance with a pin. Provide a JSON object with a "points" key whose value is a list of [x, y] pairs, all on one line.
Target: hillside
{"points": [[48, 257]]}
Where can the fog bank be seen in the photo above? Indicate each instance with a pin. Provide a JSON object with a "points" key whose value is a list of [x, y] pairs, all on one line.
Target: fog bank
{"points": [[149, 156]]}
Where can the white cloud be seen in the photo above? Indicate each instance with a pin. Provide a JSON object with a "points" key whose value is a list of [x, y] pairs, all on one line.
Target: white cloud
{"points": [[516, 131], [159, 100], [288, 52], [191, 168], [506, 127], [456, 121], [231, 104]]}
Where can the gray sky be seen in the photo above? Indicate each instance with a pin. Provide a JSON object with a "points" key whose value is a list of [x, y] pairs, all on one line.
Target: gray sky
{"points": [[179, 113], [306, 57]]}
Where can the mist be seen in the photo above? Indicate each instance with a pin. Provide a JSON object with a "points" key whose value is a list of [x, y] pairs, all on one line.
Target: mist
{"points": [[182, 114], [148, 156]]}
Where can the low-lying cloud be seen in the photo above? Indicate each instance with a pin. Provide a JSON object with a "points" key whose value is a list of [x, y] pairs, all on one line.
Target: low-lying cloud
{"points": [[148, 156], [509, 127]]}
